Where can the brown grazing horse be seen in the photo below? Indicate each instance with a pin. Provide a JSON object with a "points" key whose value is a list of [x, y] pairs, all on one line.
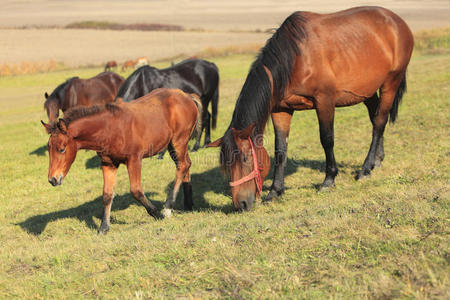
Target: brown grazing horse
{"points": [[128, 64], [126, 133], [316, 61], [99, 89], [110, 65]]}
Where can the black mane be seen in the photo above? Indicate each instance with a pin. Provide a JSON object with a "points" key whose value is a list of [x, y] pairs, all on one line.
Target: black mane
{"points": [[253, 104]]}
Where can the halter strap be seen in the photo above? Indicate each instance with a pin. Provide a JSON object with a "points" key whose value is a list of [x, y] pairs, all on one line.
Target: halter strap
{"points": [[256, 173]]}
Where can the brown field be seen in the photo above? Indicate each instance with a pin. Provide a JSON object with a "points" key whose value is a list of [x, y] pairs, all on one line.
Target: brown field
{"points": [[75, 47], [212, 23]]}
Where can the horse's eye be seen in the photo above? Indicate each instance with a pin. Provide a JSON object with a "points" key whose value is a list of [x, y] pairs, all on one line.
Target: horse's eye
{"points": [[244, 158], [62, 150]]}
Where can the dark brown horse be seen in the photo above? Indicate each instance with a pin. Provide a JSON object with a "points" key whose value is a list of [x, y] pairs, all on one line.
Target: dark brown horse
{"points": [[316, 61], [99, 89], [126, 133], [110, 65]]}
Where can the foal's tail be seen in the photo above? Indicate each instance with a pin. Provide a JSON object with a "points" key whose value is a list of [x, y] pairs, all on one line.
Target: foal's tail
{"points": [[198, 126], [398, 98]]}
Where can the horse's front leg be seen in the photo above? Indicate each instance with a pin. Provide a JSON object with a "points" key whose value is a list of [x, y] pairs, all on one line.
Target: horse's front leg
{"points": [[134, 173], [325, 114], [109, 180], [281, 124]]}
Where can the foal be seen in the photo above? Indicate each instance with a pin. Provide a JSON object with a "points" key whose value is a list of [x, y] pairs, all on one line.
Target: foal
{"points": [[126, 133]]}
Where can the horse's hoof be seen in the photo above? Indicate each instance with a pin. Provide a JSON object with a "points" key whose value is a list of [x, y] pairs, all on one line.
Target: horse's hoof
{"points": [[195, 149], [270, 196], [167, 212], [377, 163], [362, 175], [103, 230], [325, 188]]}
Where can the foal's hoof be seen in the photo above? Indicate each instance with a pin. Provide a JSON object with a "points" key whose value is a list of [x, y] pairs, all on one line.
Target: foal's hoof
{"points": [[195, 149], [326, 187], [167, 212], [155, 214]]}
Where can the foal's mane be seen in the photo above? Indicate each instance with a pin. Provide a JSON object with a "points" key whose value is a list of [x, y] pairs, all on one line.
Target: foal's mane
{"points": [[253, 104], [82, 112]]}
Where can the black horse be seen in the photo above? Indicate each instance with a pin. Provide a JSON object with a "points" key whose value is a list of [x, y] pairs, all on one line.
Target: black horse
{"points": [[191, 76]]}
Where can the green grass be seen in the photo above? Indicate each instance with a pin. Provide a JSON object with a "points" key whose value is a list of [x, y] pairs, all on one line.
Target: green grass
{"points": [[385, 237]]}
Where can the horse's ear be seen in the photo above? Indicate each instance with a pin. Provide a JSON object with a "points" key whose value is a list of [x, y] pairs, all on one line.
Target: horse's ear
{"points": [[46, 95], [62, 125], [244, 133], [46, 126], [216, 143]]}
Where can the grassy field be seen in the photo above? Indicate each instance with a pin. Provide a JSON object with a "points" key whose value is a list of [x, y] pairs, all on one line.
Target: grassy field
{"points": [[385, 237]]}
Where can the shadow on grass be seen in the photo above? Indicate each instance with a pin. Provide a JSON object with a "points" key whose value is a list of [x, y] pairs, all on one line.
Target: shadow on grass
{"points": [[94, 162], [84, 213], [40, 151], [214, 181]]}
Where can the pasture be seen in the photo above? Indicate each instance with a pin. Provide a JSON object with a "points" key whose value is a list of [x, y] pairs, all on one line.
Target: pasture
{"points": [[383, 237]]}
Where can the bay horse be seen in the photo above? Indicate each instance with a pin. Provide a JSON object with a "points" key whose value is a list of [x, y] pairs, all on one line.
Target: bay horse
{"points": [[125, 133], [110, 65], [316, 61], [75, 91], [196, 76]]}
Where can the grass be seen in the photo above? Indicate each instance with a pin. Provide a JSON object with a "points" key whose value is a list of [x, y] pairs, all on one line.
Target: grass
{"points": [[385, 237]]}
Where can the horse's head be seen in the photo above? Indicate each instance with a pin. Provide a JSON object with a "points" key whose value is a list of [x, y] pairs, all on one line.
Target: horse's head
{"points": [[247, 162], [62, 150], [51, 105]]}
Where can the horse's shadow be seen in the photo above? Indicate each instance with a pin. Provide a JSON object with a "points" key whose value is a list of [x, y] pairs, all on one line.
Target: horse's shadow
{"points": [[84, 213], [203, 183], [39, 151], [215, 181]]}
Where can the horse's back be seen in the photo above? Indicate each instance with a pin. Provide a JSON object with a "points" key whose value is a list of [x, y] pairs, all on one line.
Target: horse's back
{"points": [[352, 51]]}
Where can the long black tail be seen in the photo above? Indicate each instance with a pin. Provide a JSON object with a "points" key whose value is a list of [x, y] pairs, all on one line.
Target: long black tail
{"points": [[215, 107], [398, 98]]}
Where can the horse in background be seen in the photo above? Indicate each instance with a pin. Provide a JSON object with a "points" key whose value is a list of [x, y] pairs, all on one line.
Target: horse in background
{"points": [[125, 133], [316, 61], [141, 61], [128, 65], [194, 76], [99, 89], [110, 65]]}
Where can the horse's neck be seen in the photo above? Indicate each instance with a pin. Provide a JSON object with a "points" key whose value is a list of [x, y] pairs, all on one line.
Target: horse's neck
{"points": [[92, 132]]}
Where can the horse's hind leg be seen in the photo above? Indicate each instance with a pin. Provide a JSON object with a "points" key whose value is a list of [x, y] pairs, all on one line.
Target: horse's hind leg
{"points": [[178, 152], [134, 173], [388, 95], [372, 105]]}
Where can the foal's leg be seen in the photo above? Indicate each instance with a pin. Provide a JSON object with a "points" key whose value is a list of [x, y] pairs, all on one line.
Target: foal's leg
{"points": [[109, 180], [325, 114], [388, 91], [179, 154], [372, 105], [134, 173], [281, 124]]}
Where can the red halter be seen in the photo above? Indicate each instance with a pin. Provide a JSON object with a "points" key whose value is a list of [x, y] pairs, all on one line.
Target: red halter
{"points": [[256, 173]]}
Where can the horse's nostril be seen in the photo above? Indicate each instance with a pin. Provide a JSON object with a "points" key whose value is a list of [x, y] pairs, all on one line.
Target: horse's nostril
{"points": [[244, 204], [52, 181]]}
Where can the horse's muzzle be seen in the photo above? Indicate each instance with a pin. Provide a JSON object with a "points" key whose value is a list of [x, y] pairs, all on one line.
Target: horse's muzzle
{"points": [[55, 181]]}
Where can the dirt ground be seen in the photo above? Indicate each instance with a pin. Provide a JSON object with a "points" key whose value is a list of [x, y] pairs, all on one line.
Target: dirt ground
{"points": [[219, 19]]}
